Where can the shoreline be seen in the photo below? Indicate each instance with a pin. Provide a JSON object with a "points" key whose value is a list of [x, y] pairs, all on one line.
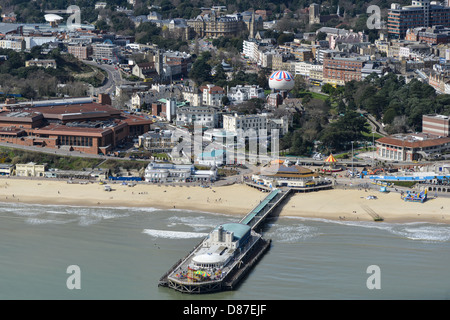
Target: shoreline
{"points": [[237, 199]]}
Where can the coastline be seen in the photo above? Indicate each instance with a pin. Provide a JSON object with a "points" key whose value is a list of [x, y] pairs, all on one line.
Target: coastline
{"points": [[237, 199]]}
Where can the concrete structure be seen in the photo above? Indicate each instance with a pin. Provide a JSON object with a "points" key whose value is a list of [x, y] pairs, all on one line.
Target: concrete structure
{"points": [[105, 51]]}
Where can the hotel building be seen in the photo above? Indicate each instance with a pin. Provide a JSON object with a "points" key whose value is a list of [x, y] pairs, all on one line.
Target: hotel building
{"points": [[337, 70]]}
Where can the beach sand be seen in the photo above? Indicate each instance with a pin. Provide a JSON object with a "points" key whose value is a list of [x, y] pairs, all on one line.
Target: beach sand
{"points": [[236, 199]]}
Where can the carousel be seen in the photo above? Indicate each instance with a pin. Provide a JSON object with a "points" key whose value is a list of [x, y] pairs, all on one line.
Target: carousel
{"points": [[330, 166]]}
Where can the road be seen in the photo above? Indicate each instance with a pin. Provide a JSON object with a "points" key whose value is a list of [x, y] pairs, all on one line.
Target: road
{"points": [[114, 78]]}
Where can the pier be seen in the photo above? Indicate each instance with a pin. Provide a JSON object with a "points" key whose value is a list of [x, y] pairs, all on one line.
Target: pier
{"points": [[223, 258]]}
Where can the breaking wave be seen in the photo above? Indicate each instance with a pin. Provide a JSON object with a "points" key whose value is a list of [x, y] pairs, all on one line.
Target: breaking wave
{"points": [[173, 234]]}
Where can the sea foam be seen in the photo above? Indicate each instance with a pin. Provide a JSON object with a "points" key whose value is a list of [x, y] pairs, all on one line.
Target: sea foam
{"points": [[173, 234]]}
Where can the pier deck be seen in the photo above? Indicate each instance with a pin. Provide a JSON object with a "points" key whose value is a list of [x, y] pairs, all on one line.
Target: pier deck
{"points": [[241, 264], [256, 216]]}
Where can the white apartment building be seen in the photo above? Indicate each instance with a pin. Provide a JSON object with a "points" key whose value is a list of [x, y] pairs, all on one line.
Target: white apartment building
{"points": [[192, 95], [212, 95], [250, 50], [203, 115], [13, 44], [302, 68], [235, 123]]}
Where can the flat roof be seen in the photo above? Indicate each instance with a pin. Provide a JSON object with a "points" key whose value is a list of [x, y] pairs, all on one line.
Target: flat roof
{"points": [[59, 129], [239, 230], [410, 141]]}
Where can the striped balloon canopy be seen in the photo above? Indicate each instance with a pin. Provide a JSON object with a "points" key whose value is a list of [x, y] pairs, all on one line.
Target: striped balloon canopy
{"points": [[281, 76], [281, 80]]}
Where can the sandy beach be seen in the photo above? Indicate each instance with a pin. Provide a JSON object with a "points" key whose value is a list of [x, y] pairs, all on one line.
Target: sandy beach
{"points": [[236, 199]]}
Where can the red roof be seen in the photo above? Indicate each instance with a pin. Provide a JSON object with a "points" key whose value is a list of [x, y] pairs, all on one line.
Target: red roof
{"points": [[414, 143]]}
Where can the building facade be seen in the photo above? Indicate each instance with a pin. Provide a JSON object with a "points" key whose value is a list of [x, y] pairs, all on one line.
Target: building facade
{"points": [[80, 51], [436, 124], [421, 13], [338, 70], [202, 115]]}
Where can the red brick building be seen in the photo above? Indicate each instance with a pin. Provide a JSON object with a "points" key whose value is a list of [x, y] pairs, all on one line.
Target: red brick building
{"points": [[90, 127], [337, 70]]}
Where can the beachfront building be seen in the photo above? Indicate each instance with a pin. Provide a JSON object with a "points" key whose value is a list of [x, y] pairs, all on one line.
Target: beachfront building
{"points": [[167, 172], [87, 127], [288, 176], [30, 169], [411, 147], [6, 169]]}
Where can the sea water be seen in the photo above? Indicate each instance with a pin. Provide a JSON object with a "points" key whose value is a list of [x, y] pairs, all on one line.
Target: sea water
{"points": [[122, 252]]}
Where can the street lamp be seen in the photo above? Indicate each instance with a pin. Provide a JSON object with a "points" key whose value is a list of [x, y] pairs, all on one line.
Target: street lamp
{"points": [[352, 159], [373, 148]]}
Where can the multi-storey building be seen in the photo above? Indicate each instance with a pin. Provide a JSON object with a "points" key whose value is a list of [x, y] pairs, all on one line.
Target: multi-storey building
{"points": [[436, 124], [105, 51], [160, 141], [337, 70], [13, 44], [205, 116], [433, 140], [212, 95], [80, 51], [421, 13], [87, 127], [215, 26]]}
